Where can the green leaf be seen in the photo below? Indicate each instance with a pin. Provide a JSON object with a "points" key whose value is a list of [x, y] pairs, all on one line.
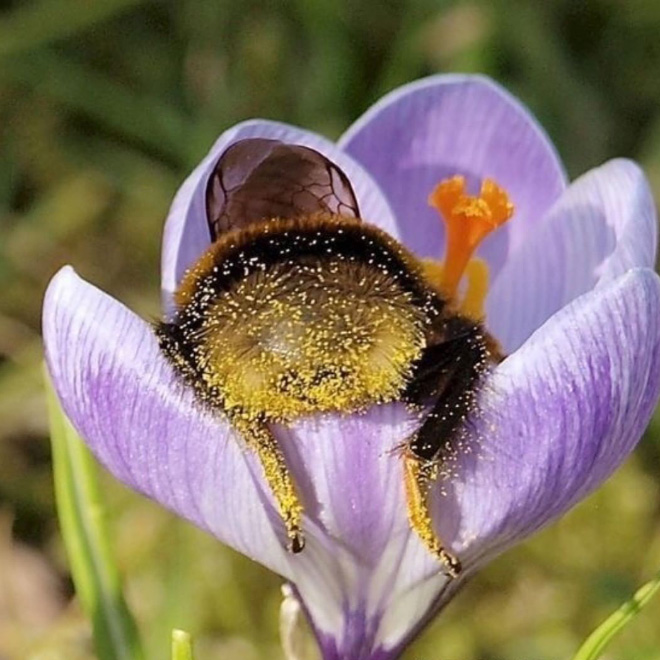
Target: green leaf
{"points": [[81, 521], [181, 645], [603, 635]]}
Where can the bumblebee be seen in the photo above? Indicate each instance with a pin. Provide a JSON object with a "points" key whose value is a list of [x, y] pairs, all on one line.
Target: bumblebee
{"points": [[300, 307]]}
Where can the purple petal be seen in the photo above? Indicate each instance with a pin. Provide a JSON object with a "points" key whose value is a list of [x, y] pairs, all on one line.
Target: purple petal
{"points": [[125, 401], [351, 475], [186, 230], [603, 225], [555, 419], [562, 413], [446, 125]]}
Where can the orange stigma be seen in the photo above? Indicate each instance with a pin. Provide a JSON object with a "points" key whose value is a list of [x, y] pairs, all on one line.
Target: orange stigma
{"points": [[468, 220]]}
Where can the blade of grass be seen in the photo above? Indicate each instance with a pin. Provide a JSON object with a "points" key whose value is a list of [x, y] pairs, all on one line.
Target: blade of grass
{"points": [[603, 635], [181, 645], [81, 521], [36, 23]]}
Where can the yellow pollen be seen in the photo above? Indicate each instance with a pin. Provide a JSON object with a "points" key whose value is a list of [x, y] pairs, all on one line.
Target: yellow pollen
{"points": [[468, 220]]}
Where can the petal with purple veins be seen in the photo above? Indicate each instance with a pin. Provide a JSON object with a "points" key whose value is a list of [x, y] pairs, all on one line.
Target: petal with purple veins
{"points": [[555, 419], [561, 414], [351, 476], [125, 401], [603, 225], [441, 126]]}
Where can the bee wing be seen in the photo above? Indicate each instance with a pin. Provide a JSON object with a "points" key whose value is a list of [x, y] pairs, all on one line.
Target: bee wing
{"points": [[257, 179]]}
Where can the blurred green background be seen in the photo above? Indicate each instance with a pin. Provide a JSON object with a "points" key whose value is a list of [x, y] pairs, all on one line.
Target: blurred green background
{"points": [[104, 108]]}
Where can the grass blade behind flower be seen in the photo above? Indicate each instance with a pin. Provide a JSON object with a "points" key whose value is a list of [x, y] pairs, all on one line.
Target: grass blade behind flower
{"points": [[603, 635], [81, 522]]}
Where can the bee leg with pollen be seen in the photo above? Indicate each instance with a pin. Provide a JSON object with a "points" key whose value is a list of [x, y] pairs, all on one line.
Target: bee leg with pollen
{"points": [[448, 372], [261, 440], [419, 474]]}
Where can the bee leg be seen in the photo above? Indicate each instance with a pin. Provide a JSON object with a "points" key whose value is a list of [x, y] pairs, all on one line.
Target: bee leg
{"points": [[261, 440], [449, 371], [419, 474]]}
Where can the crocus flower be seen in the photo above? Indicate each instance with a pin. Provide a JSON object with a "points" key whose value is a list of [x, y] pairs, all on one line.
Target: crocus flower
{"points": [[573, 301]]}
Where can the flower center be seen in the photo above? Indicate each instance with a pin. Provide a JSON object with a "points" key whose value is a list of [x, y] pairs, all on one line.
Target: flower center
{"points": [[469, 219]]}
